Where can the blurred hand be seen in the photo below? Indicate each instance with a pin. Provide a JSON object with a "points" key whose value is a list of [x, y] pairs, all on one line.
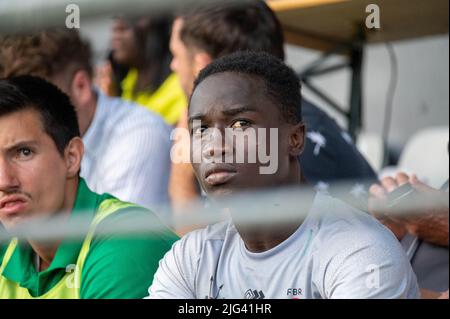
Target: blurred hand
{"points": [[444, 295], [378, 199], [103, 79], [428, 294], [430, 225]]}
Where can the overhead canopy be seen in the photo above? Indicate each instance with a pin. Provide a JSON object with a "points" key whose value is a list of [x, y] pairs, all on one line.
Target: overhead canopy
{"points": [[321, 24]]}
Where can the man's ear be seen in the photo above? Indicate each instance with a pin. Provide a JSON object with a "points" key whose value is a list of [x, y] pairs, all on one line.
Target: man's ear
{"points": [[201, 60], [297, 139], [73, 155], [81, 88]]}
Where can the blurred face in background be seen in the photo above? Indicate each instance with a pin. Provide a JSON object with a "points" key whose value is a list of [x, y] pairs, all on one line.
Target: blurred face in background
{"points": [[79, 89], [186, 62], [182, 59], [124, 43]]}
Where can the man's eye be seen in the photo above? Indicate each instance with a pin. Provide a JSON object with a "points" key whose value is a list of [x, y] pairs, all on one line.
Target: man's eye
{"points": [[198, 130], [240, 124], [24, 152]]}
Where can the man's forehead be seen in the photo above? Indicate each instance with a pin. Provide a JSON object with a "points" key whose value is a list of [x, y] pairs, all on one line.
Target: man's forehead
{"points": [[226, 90], [21, 125]]}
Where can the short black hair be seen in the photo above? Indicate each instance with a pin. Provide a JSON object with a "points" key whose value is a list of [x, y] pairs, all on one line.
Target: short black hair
{"points": [[57, 113], [225, 28], [282, 84]]}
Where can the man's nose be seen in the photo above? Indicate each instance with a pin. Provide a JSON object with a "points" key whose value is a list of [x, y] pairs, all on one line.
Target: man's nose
{"points": [[216, 147], [8, 180]]}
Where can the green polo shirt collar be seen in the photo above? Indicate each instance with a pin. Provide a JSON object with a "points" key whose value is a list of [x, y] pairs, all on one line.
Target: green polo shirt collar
{"points": [[20, 267]]}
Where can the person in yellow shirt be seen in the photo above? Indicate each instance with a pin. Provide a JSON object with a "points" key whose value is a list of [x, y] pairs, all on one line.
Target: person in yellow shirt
{"points": [[142, 45], [167, 100]]}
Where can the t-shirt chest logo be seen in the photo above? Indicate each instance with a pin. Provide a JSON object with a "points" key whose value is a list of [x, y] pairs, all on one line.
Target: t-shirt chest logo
{"points": [[254, 294], [294, 293]]}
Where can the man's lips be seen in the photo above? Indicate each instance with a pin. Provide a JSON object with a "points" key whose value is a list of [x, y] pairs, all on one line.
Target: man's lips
{"points": [[13, 204], [219, 174]]}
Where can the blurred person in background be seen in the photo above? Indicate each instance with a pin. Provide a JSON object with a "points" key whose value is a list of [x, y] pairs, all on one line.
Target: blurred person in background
{"points": [[142, 46], [109, 75], [127, 146], [206, 33]]}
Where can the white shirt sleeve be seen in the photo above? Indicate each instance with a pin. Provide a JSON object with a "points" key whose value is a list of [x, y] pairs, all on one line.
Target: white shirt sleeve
{"points": [[175, 277]]}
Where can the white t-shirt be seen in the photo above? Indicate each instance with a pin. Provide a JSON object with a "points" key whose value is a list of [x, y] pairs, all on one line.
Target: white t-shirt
{"points": [[127, 153], [337, 252]]}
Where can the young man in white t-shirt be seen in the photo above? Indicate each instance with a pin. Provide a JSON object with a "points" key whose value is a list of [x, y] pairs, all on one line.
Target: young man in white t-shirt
{"points": [[336, 252]]}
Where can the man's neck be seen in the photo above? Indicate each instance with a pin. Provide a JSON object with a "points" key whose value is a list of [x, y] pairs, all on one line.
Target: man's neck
{"points": [[145, 73], [46, 251], [259, 239], [263, 238], [89, 114]]}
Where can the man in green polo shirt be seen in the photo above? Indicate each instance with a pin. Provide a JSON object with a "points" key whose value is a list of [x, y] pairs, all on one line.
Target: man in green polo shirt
{"points": [[40, 155]]}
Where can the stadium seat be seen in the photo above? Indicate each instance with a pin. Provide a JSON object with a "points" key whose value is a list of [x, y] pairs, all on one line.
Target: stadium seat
{"points": [[426, 155]]}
